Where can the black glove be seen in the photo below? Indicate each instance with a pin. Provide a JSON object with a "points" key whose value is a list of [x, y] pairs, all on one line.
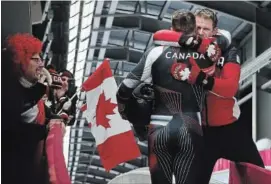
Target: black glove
{"points": [[190, 41], [141, 132], [140, 105]]}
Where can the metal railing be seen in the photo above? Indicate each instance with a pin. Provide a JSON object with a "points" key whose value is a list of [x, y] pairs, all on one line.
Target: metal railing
{"points": [[255, 65], [250, 70]]}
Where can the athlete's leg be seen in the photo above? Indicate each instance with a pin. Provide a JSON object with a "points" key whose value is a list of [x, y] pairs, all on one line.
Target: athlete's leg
{"points": [[211, 152], [160, 161], [239, 146], [187, 161]]}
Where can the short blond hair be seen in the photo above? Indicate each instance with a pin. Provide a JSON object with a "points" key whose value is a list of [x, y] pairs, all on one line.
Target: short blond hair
{"points": [[207, 14]]}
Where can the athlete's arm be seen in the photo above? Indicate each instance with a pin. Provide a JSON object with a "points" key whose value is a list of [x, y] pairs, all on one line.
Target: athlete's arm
{"points": [[142, 72], [220, 43], [228, 82], [223, 39]]}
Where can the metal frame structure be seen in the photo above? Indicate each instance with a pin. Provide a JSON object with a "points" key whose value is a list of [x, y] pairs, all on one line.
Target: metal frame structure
{"points": [[122, 31]]}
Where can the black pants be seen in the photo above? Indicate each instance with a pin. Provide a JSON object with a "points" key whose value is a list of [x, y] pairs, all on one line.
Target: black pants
{"points": [[231, 142], [175, 149]]}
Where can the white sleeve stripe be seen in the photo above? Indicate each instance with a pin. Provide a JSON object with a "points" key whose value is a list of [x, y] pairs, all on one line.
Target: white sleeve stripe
{"points": [[226, 34], [30, 115], [154, 54], [130, 83]]}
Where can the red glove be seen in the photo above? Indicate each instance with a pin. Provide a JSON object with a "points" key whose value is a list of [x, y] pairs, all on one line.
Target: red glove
{"points": [[210, 48], [201, 76], [205, 46], [180, 71], [195, 71], [194, 75]]}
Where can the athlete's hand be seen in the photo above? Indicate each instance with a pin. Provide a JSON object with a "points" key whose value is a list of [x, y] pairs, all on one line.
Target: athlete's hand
{"points": [[210, 48], [180, 71], [189, 41], [195, 71]]}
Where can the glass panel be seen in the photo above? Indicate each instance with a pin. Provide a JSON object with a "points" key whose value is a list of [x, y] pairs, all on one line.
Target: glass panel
{"points": [[74, 21], [80, 65], [85, 33], [71, 55], [88, 8], [79, 74], [70, 66], [78, 82], [83, 45], [73, 33], [87, 20], [74, 8], [72, 46]]}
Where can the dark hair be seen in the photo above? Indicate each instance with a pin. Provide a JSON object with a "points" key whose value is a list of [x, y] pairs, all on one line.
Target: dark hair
{"points": [[66, 73], [183, 20], [207, 14]]}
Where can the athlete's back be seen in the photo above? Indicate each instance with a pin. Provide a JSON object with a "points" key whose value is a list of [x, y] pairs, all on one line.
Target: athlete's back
{"points": [[182, 96]]}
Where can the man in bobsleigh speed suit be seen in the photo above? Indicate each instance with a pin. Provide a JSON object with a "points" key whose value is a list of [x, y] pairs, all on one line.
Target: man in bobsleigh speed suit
{"points": [[175, 135], [224, 136]]}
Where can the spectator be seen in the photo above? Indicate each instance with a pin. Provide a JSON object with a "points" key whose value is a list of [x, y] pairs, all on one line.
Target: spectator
{"points": [[24, 124], [66, 103]]}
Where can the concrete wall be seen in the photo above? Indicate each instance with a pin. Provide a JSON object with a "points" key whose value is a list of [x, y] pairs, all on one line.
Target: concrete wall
{"points": [[15, 17]]}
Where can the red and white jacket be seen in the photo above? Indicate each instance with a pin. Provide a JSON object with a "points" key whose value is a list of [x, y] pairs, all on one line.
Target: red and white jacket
{"points": [[222, 107]]}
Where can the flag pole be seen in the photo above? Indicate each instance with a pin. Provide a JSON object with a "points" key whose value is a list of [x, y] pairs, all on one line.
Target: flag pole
{"points": [[105, 59], [71, 98]]}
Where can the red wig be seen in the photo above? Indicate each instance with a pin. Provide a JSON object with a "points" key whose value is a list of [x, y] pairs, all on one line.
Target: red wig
{"points": [[23, 46]]}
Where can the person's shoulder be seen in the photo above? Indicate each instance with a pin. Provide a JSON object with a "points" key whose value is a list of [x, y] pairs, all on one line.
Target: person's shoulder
{"points": [[155, 51], [231, 55], [156, 48], [41, 87]]}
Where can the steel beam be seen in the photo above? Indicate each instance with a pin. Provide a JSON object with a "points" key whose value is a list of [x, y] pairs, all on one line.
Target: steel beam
{"points": [[266, 85], [160, 17], [164, 9], [245, 99], [239, 29], [254, 88], [265, 3], [256, 64], [245, 39], [107, 47], [115, 29], [108, 24], [115, 15], [45, 11], [47, 30]]}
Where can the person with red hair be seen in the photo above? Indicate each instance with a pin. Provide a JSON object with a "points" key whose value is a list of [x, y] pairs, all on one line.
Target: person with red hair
{"points": [[24, 124]]}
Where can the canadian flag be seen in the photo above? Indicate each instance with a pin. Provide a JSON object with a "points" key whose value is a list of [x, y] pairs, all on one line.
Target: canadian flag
{"points": [[114, 137]]}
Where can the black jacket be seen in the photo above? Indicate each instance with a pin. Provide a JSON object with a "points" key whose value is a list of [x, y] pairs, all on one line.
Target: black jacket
{"points": [[19, 139]]}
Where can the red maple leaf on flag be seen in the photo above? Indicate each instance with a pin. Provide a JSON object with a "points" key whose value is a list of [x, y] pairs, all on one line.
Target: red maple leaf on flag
{"points": [[104, 108]]}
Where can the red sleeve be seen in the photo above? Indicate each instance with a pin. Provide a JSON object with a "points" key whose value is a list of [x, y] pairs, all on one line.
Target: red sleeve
{"points": [[228, 82]]}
